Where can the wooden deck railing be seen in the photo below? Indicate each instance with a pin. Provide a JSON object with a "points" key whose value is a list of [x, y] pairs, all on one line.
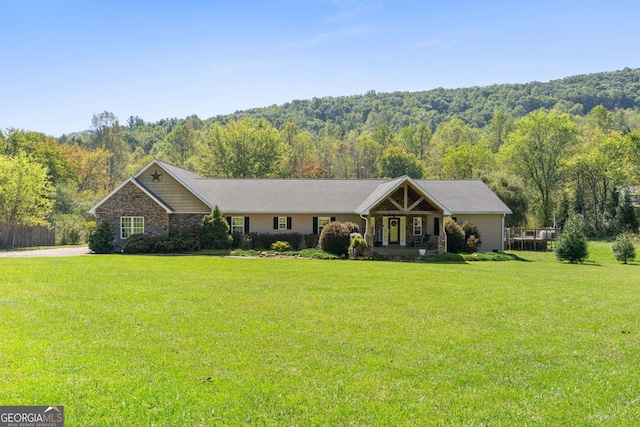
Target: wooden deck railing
{"points": [[531, 239]]}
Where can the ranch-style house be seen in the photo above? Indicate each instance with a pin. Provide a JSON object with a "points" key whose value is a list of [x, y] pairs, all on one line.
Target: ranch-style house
{"points": [[397, 213]]}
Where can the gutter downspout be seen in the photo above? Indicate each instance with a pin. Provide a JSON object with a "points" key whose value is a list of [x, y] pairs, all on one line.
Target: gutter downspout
{"points": [[366, 226]]}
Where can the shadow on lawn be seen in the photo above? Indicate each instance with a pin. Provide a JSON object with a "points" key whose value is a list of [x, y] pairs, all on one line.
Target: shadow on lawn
{"points": [[450, 258]]}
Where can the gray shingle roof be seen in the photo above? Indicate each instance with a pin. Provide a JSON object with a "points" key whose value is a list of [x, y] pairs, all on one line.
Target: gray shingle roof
{"points": [[329, 195]]}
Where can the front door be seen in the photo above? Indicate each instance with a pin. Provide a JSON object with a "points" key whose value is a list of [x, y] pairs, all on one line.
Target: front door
{"points": [[394, 231]]}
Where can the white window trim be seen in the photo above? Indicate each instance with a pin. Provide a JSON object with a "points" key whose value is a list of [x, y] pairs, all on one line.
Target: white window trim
{"points": [[131, 228], [234, 228], [323, 219], [282, 223]]}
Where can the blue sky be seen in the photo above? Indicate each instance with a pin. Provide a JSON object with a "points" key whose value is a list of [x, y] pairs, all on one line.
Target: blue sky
{"points": [[61, 61]]}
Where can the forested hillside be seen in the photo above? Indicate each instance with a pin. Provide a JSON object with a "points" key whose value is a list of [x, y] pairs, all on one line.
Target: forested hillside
{"points": [[475, 105], [569, 146]]}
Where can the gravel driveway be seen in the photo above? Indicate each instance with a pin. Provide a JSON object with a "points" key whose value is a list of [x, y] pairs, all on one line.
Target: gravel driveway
{"points": [[53, 252]]}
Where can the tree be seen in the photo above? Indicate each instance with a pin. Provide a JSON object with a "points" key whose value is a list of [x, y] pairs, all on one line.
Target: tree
{"points": [[180, 144], [25, 191], [537, 150], [40, 148], [215, 231], [300, 149], [108, 136], [623, 248], [415, 140], [501, 125], [244, 149], [572, 244], [396, 162], [384, 136]]}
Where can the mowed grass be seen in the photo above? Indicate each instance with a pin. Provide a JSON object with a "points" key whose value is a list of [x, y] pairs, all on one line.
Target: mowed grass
{"points": [[188, 341]]}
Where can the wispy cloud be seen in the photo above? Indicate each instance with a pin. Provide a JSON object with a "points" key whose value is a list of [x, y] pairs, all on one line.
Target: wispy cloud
{"points": [[343, 33], [427, 43]]}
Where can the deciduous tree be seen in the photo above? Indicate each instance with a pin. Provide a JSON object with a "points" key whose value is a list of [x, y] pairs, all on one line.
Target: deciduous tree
{"points": [[537, 150], [245, 149]]}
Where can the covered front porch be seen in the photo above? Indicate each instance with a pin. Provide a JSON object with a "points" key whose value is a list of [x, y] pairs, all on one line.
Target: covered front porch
{"points": [[405, 219]]}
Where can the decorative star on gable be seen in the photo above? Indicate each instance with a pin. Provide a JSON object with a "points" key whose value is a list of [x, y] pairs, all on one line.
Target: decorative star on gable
{"points": [[155, 176]]}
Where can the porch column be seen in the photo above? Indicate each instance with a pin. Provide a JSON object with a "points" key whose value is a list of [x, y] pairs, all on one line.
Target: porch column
{"points": [[442, 238]]}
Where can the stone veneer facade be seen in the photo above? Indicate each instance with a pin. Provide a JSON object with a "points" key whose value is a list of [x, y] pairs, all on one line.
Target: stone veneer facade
{"points": [[183, 222], [132, 201]]}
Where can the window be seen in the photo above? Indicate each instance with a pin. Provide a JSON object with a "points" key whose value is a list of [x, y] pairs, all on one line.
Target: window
{"points": [[436, 226], [417, 226], [322, 221], [131, 225], [282, 223], [237, 224]]}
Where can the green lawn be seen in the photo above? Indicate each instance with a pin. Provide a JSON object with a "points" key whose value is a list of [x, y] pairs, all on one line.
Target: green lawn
{"points": [[163, 340]]}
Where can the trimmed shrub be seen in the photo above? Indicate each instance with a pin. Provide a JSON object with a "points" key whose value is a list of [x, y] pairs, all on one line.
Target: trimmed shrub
{"points": [[137, 244], [623, 248], [472, 244], [246, 242], [572, 244], [358, 247], [471, 237], [281, 246], [214, 233], [101, 239], [335, 237], [456, 241], [311, 241]]}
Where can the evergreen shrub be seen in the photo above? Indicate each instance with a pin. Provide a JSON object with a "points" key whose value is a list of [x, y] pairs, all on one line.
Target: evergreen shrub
{"points": [[623, 248], [572, 243], [101, 239]]}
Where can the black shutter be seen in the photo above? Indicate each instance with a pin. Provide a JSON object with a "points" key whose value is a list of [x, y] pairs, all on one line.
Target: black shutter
{"points": [[229, 223], [288, 223], [436, 226], [246, 224], [315, 225], [333, 218], [275, 222]]}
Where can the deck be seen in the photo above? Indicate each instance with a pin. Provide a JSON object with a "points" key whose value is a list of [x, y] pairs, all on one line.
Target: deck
{"points": [[532, 239]]}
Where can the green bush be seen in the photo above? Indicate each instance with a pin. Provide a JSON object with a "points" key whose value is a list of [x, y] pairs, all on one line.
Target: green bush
{"points": [[137, 244], [101, 239], [335, 237], [623, 248], [281, 246], [214, 233], [471, 237], [69, 229], [572, 243], [311, 241], [358, 247], [456, 241]]}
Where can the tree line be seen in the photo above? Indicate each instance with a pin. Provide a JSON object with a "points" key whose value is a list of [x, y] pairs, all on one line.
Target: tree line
{"points": [[545, 164]]}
